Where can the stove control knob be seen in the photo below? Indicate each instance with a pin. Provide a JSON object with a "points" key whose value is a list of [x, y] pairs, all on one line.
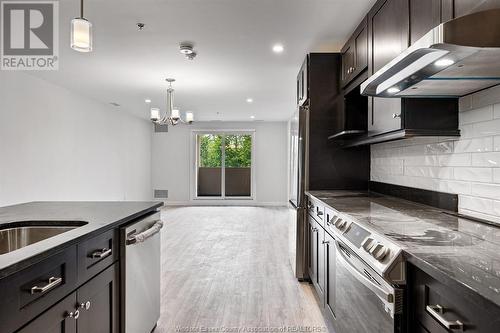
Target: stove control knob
{"points": [[375, 248], [381, 253], [339, 223], [368, 243]]}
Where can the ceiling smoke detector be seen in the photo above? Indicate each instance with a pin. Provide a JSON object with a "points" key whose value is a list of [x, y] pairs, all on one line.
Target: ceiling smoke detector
{"points": [[140, 26], [187, 49]]}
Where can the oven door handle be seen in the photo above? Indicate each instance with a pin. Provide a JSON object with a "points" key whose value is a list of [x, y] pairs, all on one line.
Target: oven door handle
{"points": [[381, 293]]}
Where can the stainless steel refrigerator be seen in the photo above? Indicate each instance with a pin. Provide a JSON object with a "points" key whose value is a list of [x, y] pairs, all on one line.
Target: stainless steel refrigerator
{"points": [[297, 233]]}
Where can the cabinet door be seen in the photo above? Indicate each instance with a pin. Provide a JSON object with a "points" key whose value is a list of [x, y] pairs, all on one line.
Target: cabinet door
{"points": [[56, 319], [321, 261], [313, 250], [348, 55], [98, 300], [361, 46], [388, 23], [424, 16], [330, 275]]}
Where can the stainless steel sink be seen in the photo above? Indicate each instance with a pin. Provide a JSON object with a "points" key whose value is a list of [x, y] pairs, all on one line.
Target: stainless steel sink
{"points": [[16, 235]]}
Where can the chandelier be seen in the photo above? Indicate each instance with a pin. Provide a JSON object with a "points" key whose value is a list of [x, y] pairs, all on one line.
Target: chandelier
{"points": [[172, 116]]}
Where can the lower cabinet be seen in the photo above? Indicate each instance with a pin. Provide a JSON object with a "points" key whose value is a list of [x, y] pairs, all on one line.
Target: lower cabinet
{"points": [[313, 249], [92, 308]]}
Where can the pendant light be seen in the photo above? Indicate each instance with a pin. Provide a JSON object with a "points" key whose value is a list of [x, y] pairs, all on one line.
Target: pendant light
{"points": [[81, 33]]}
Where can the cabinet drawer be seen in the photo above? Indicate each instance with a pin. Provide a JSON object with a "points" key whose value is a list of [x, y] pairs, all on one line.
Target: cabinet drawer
{"points": [[97, 253], [437, 306], [29, 292]]}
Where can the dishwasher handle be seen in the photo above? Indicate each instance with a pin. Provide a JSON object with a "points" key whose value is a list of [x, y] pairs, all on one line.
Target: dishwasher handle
{"points": [[143, 236]]}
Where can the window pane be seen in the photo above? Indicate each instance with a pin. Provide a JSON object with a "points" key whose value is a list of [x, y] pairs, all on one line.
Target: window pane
{"points": [[238, 162], [209, 165]]}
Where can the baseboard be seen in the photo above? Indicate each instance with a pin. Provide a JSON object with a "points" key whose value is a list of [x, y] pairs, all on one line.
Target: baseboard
{"points": [[225, 203]]}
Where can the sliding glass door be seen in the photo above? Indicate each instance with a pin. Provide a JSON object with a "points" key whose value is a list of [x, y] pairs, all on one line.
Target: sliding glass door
{"points": [[224, 165]]}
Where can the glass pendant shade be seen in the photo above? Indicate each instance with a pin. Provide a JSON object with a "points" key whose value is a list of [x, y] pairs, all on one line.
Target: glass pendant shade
{"points": [[189, 117], [155, 114], [81, 35]]}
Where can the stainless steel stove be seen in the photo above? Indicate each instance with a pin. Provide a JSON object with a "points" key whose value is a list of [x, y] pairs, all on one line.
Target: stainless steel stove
{"points": [[370, 277]]}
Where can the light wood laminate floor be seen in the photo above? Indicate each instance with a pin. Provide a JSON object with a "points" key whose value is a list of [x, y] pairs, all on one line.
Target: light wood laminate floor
{"points": [[225, 269]]}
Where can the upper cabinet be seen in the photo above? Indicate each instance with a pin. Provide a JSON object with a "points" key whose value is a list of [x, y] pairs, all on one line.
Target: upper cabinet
{"points": [[355, 54], [302, 83]]}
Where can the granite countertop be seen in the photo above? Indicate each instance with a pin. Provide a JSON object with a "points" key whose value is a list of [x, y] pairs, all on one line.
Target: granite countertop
{"points": [[453, 249], [99, 217]]}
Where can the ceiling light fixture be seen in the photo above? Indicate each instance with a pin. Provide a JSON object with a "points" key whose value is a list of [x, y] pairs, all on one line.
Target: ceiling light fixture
{"points": [[81, 33], [147, 101], [252, 117], [393, 90], [172, 116], [278, 48], [249, 100]]}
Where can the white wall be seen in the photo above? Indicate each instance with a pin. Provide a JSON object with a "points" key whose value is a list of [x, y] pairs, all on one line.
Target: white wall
{"points": [[469, 166], [171, 161], [57, 145]]}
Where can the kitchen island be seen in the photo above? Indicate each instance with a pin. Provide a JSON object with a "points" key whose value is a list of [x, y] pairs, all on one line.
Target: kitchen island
{"points": [[69, 279]]}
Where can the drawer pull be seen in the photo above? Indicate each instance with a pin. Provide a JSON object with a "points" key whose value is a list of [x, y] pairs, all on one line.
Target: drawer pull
{"points": [[85, 306], [436, 312], [53, 282], [99, 254], [73, 315]]}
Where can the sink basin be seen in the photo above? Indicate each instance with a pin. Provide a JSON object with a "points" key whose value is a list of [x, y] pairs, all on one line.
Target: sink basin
{"points": [[16, 235]]}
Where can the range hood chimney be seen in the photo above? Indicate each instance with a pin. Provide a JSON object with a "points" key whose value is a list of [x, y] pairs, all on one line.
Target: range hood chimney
{"points": [[457, 58]]}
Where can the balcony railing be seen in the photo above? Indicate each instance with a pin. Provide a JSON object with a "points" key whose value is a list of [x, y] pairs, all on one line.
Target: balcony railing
{"points": [[237, 182]]}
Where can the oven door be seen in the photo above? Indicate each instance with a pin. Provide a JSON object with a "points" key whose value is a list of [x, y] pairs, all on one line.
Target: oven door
{"points": [[364, 301]]}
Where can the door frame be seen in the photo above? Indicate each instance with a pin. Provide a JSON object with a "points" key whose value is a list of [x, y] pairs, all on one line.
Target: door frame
{"points": [[194, 168]]}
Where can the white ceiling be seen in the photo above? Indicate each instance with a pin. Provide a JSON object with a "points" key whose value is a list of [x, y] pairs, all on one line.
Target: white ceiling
{"points": [[233, 38]]}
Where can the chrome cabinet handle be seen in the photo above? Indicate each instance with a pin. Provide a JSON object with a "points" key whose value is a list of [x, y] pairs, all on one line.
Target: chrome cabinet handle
{"points": [[325, 242], [73, 315], [85, 306], [314, 229], [436, 311], [53, 282], [99, 254], [141, 237], [395, 115], [319, 213]]}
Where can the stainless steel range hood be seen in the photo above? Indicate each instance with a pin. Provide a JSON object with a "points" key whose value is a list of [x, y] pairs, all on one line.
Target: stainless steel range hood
{"points": [[455, 59]]}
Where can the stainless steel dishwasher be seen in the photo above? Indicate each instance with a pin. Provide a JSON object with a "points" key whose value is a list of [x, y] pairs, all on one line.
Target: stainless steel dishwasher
{"points": [[140, 274]]}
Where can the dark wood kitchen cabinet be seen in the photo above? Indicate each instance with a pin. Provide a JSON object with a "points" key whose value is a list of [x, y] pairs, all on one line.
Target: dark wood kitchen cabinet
{"points": [[320, 287], [92, 308], [432, 303], [313, 250], [424, 16], [388, 29], [355, 54], [303, 83]]}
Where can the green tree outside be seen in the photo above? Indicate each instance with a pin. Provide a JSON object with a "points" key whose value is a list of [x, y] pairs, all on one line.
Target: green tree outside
{"points": [[238, 149]]}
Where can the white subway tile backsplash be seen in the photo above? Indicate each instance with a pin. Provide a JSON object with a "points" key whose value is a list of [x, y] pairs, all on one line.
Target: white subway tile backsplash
{"points": [[487, 128], [496, 110], [455, 160], [486, 191], [477, 115], [474, 145], [486, 160], [469, 166], [474, 174], [429, 172], [476, 204]]}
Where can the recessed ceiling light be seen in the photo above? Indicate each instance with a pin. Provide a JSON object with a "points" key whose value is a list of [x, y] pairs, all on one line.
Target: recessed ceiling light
{"points": [[249, 100], [278, 48], [252, 117], [147, 100], [393, 90], [444, 62]]}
